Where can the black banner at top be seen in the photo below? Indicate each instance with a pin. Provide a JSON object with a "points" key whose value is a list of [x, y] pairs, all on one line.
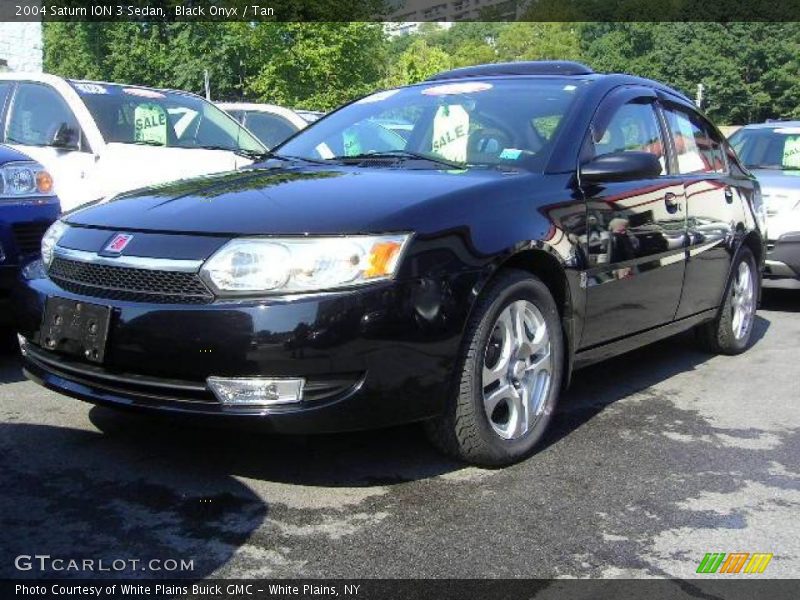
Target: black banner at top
{"points": [[398, 10]]}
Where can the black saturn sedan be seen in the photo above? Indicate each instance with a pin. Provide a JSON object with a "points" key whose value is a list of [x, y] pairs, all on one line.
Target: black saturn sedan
{"points": [[532, 218]]}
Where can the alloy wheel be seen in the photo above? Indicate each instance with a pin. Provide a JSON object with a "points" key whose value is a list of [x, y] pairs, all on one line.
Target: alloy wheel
{"points": [[743, 301], [517, 370]]}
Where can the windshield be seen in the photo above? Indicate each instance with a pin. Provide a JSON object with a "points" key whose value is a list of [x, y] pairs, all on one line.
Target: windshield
{"points": [[468, 123], [132, 115], [768, 148]]}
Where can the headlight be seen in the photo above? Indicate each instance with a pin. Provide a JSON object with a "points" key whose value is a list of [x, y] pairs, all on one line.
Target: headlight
{"points": [[50, 239], [24, 179], [285, 265]]}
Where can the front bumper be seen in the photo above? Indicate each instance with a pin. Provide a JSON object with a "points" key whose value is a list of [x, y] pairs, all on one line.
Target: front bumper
{"points": [[783, 257], [372, 357]]}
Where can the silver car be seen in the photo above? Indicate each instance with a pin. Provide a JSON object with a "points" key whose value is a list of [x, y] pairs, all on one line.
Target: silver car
{"points": [[772, 152]]}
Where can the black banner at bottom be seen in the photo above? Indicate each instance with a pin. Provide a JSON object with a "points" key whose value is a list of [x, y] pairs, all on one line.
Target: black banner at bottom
{"points": [[389, 589]]}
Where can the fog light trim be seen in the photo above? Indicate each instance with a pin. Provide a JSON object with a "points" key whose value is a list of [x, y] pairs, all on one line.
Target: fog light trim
{"points": [[249, 392], [23, 344]]}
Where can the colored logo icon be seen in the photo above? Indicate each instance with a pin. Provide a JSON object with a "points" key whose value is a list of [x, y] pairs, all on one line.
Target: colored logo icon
{"points": [[734, 563]]}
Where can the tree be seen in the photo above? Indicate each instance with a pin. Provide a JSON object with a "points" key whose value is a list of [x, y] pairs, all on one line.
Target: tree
{"points": [[750, 71], [319, 66], [75, 49], [539, 41], [417, 63]]}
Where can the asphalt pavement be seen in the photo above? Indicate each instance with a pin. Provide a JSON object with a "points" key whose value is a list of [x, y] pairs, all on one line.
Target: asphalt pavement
{"points": [[654, 459]]}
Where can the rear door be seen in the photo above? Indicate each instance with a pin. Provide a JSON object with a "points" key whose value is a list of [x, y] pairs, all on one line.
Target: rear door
{"points": [[635, 239], [713, 207]]}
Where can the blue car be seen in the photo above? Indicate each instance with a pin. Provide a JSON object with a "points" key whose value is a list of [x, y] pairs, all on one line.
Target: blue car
{"points": [[28, 205]]}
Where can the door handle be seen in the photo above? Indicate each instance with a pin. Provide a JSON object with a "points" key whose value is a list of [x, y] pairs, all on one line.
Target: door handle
{"points": [[671, 202], [728, 195]]}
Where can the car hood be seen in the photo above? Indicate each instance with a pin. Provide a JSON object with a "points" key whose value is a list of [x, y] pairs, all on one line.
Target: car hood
{"points": [[9, 154], [778, 180], [781, 193], [124, 167], [300, 199]]}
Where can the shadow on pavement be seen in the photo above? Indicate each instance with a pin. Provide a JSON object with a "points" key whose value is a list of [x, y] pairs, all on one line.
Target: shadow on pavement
{"points": [[600, 385], [72, 493], [361, 459], [782, 300]]}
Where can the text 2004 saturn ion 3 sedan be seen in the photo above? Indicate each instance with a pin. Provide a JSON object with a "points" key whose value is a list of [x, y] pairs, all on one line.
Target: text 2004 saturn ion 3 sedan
{"points": [[536, 217]]}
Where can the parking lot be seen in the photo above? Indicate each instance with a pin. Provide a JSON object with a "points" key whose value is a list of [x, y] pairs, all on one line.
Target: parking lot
{"points": [[654, 459]]}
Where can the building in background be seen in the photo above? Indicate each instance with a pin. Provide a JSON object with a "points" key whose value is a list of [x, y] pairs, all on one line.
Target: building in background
{"points": [[21, 47], [409, 13], [394, 28]]}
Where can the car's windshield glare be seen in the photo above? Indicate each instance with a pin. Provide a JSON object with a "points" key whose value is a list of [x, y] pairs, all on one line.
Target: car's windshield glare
{"points": [[768, 148], [132, 115], [468, 123]]}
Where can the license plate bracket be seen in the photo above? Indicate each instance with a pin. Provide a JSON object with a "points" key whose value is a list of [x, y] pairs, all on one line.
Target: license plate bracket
{"points": [[75, 327]]}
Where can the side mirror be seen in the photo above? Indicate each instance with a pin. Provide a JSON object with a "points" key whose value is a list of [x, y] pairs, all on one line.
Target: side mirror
{"points": [[621, 166], [66, 138]]}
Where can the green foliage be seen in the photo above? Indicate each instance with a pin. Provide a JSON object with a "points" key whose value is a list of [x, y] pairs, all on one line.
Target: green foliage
{"points": [[318, 67], [75, 49], [539, 41], [750, 71], [417, 63]]}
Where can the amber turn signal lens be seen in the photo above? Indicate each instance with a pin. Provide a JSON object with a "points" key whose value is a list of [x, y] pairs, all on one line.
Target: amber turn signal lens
{"points": [[382, 259], [44, 182]]}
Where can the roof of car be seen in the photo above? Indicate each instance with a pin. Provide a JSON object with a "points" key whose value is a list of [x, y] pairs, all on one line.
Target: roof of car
{"points": [[529, 67], [551, 68], [57, 79], [274, 109]]}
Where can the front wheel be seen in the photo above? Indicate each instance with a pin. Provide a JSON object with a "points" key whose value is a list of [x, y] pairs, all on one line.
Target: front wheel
{"points": [[509, 375], [732, 330]]}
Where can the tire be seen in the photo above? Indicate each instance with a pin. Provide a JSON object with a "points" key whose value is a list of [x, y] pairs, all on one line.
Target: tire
{"points": [[517, 373], [728, 333]]}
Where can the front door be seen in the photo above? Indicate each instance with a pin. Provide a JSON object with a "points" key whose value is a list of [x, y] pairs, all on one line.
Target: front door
{"points": [[635, 239]]}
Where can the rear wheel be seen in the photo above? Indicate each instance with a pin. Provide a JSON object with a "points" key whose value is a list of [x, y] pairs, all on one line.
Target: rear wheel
{"points": [[731, 331], [509, 375]]}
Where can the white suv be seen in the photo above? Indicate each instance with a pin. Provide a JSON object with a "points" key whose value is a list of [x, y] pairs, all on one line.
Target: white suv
{"points": [[98, 139]]}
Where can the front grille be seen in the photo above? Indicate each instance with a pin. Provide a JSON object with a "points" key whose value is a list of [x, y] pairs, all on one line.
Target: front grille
{"points": [[28, 236], [127, 283]]}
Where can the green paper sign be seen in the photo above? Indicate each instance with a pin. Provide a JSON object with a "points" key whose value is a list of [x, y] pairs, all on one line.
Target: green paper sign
{"points": [[791, 152], [150, 123]]}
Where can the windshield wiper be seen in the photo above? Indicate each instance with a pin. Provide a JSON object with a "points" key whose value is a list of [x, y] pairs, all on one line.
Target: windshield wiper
{"points": [[256, 155], [402, 155], [773, 167], [147, 143]]}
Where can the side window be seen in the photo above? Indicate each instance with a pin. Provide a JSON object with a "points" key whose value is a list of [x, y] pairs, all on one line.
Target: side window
{"points": [[696, 148], [270, 129], [37, 113], [236, 114], [634, 127]]}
